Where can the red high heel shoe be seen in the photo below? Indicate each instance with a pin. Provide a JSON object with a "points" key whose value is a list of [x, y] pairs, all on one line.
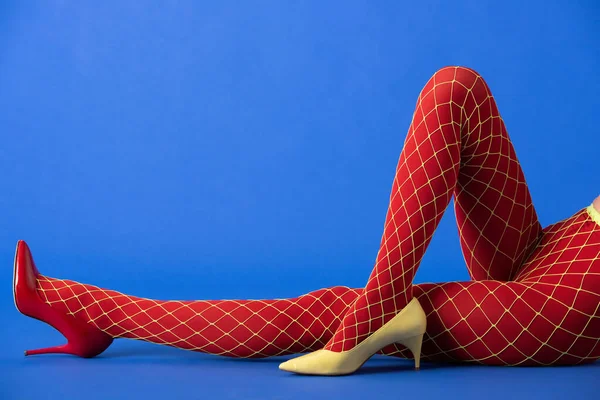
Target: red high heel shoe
{"points": [[83, 339]]}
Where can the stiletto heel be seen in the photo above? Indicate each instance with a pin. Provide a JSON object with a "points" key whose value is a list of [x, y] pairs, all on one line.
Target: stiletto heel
{"points": [[47, 350], [407, 328], [414, 345], [83, 339]]}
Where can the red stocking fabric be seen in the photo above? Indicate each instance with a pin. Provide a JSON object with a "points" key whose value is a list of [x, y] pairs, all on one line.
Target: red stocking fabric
{"points": [[456, 145], [236, 328], [550, 314]]}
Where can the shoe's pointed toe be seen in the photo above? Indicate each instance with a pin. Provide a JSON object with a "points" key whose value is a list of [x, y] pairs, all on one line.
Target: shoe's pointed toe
{"points": [[289, 366], [320, 362], [25, 275], [303, 364]]}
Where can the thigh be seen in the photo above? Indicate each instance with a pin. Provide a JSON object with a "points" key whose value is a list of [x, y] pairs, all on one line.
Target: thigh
{"points": [[567, 252], [496, 219], [507, 323]]}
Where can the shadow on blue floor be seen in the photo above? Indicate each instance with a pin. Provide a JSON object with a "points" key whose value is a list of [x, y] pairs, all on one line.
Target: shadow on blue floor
{"points": [[131, 369]]}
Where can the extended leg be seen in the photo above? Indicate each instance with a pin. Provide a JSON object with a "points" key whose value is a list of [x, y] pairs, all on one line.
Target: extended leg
{"points": [[237, 328], [485, 322]]}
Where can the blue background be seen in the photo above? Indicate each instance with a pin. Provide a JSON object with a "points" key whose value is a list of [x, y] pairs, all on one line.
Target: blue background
{"points": [[188, 149]]}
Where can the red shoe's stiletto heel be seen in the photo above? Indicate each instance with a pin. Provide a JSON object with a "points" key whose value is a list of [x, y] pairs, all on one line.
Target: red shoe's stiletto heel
{"points": [[83, 339]]}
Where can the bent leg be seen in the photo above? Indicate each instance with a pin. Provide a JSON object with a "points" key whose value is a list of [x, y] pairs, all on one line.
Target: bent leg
{"points": [[456, 145], [497, 222]]}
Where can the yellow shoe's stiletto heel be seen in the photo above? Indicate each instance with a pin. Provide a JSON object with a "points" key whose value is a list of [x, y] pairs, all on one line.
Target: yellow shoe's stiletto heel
{"points": [[406, 328], [414, 345]]}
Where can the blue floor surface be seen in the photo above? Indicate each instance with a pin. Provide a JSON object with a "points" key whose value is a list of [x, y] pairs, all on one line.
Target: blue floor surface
{"points": [[132, 370]]}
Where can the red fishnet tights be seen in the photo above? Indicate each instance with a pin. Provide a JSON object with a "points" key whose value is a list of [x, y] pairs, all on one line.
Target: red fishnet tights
{"points": [[535, 294]]}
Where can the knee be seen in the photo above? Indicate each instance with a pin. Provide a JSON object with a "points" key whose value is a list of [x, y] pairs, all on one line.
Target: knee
{"points": [[464, 76], [455, 72], [454, 84]]}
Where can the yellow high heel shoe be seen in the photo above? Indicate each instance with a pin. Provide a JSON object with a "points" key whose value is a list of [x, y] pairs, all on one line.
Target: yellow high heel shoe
{"points": [[406, 328]]}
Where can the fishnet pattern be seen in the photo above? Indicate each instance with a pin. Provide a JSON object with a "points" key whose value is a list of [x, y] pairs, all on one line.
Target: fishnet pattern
{"points": [[236, 328], [457, 144], [549, 316]]}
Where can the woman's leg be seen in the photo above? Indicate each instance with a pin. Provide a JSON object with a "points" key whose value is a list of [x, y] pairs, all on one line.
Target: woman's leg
{"points": [[457, 144], [508, 323], [236, 328]]}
